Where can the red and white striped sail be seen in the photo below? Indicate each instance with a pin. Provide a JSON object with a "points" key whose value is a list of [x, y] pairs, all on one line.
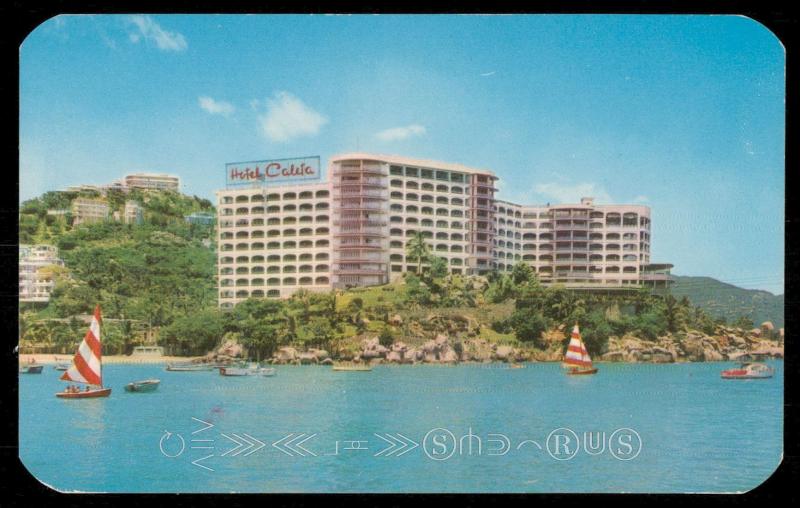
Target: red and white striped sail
{"points": [[576, 355], [85, 366]]}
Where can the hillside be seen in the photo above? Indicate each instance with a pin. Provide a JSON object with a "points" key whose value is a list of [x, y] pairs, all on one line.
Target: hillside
{"points": [[158, 274], [730, 302]]}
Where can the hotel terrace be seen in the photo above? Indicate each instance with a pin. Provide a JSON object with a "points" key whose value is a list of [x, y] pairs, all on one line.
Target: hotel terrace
{"points": [[351, 230]]}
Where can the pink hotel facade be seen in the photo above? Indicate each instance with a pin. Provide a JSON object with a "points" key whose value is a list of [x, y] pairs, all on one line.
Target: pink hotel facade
{"points": [[351, 230]]}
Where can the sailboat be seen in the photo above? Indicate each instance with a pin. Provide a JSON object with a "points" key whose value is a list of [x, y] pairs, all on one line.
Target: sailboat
{"points": [[577, 359], [86, 366]]}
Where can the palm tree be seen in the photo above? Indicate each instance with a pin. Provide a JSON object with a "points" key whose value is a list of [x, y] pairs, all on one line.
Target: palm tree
{"points": [[417, 248]]}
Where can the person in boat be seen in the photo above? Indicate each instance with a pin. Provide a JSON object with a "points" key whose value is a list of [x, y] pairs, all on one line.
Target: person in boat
{"points": [[87, 388]]}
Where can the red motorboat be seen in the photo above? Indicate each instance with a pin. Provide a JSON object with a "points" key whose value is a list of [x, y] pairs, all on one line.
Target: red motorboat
{"points": [[749, 370]]}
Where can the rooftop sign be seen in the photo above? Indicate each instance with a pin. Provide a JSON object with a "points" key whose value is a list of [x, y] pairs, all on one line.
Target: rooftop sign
{"points": [[272, 172]]}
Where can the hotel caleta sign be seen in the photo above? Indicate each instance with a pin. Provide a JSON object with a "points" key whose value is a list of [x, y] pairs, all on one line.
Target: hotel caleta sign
{"points": [[272, 172]]}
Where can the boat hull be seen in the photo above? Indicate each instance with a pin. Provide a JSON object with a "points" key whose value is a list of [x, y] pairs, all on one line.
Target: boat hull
{"points": [[32, 369], [234, 372], [192, 368], [142, 386], [581, 372], [61, 367], [739, 375], [91, 394], [246, 371]]}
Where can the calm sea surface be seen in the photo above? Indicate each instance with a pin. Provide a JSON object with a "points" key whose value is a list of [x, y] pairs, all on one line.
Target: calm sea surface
{"points": [[479, 428]]}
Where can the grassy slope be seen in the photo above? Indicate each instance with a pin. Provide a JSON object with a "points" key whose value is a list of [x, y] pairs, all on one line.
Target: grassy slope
{"points": [[728, 301]]}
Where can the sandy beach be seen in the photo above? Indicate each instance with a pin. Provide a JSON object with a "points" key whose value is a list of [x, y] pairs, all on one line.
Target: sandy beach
{"points": [[49, 359]]}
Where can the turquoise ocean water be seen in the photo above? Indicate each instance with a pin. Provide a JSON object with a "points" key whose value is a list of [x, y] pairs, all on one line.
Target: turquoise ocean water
{"points": [[408, 429]]}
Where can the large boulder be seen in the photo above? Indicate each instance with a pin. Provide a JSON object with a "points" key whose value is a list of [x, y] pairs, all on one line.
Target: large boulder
{"points": [[411, 355], [286, 354], [710, 355], [231, 348], [613, 356], [448, 356], [737, 341], [394, 356], [307, 358], [633, 356], [693, 349], [321, 354], [399, 346], [370, 354], [504, 353], [662, 357], [429, 347]]}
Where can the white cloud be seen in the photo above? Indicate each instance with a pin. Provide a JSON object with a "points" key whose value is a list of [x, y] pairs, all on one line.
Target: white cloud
{"points": [[214, 107], [397, 133], [151, 31], [561, 193], [287, 117], [641, 199]]}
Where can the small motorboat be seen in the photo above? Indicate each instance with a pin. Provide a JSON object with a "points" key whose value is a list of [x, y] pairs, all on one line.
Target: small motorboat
{"points": [[235, 371], [749, 370], [189, 367], [252, 370], [147, 385], [61, 366], [351, 367], [31, 369]]}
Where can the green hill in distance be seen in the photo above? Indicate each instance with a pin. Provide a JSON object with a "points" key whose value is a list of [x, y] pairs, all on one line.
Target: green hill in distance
{"points": [[724, 300]]}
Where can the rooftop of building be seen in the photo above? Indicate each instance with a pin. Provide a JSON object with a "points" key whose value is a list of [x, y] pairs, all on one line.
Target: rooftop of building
{"points": [[587, 203], [151, 175], [408, 161]]}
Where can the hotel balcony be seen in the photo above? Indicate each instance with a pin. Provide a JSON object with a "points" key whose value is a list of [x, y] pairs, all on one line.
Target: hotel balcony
{"points": [[362, 205], [363, 182], [339, 170], [355, 230]]}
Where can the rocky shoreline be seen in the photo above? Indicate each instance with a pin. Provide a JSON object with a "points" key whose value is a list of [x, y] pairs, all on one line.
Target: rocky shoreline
{"points": [[726, 344]]}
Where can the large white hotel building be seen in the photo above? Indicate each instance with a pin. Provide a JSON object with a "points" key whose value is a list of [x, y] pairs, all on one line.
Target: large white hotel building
{"points": [[351, 230]]}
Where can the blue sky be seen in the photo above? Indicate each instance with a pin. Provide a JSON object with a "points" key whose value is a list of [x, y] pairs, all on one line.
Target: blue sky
{"points": [[684, 114]]}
